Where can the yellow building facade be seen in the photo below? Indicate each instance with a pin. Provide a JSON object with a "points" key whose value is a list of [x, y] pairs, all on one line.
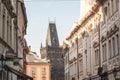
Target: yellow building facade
{"points": [[39, 71], [36, 68]]}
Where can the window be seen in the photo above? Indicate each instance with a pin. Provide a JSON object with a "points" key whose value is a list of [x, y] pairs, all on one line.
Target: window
{"points": [[117, 42], [112, 6], [105, 14], [8, 30], [10, 34], [75, 67], [108, 11], [80, 65], [104, 53], [43, 71], [110, 55], [113, 45], [3, 27], [105, 11], [43, 78], [33, 72], [96, 56], [117, 4], [15, 38]]}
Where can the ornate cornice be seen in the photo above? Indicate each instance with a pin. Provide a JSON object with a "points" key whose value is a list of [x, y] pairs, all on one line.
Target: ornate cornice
{"points": [[94, 8], [9, 7]]}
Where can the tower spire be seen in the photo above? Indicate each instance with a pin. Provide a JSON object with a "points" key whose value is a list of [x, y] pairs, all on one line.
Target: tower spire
{"points": [[52, 37]]}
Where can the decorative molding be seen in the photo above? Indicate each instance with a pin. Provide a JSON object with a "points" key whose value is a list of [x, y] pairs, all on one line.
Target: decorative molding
{"points": [[9, 7], [103, 38], [72, 60], [112, 31], [90, 28], [116, 28], [95, 44], [83, 34], [79, 55]]}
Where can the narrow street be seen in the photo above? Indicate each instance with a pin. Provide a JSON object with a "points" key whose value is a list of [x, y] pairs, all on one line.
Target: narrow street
{"points": [[59, 39]]}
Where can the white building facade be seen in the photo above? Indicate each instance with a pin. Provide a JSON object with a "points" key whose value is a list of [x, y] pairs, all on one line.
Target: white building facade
{"points": [[97, 36]]}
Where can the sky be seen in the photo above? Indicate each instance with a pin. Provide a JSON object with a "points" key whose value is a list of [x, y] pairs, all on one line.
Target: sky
{"points": [[39, 12]]}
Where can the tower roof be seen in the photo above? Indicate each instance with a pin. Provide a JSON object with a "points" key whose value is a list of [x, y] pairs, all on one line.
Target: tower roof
{"points": [[52, 37]]}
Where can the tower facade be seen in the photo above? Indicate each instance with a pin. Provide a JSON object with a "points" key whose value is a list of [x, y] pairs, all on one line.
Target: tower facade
{"points": [[53, 52], [52, 37]]}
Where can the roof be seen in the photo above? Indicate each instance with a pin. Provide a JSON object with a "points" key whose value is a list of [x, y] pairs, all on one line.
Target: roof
{"points": [[91, 12], [33, 58]]}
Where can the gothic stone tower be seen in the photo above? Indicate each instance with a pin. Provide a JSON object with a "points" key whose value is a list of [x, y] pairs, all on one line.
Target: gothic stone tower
{"points": [[53, 52]]}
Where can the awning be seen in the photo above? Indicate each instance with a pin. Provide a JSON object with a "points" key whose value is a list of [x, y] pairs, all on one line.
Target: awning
{"points": [[18, 73]]}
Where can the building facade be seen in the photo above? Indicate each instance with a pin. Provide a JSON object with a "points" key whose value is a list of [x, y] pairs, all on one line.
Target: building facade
{"points": [[9, 13], [21, 31], [37, 68], [95, 41], [53, 52]]}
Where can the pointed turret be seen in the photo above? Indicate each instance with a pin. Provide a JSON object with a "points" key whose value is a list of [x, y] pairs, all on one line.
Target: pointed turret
{"points": [[52, 37]]}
